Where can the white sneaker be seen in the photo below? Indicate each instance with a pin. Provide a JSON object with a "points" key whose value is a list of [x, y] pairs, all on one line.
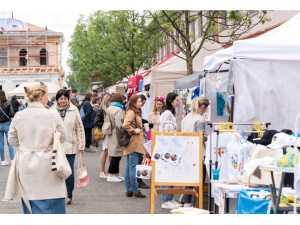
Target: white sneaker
{"points": [[169, 205], [121, 178], [187, 205], [176, 203], [103, 175], [4, 163], [113, 179]]}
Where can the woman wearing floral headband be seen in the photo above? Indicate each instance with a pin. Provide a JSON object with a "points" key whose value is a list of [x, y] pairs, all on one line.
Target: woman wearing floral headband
{"points": [[154, 115]]}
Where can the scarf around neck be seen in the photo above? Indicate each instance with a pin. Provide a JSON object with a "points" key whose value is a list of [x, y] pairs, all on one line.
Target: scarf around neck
{"points": [[118, 104], [62, 110]]}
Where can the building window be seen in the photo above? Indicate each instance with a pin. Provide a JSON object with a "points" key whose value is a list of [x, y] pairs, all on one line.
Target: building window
{"points": [[193, 30], [43, 57], [23, 57], [167, 50], [3, 57]]}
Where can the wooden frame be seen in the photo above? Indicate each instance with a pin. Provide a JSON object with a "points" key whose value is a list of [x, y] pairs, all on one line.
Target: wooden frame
{"points": [[154, 191]]}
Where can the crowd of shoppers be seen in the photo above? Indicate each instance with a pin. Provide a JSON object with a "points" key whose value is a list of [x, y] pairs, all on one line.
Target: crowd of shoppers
{"points": [[30, 177]]}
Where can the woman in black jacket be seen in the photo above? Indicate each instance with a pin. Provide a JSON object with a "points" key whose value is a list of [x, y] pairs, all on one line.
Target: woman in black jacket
{"points": [[6, 113], [99, 120]]}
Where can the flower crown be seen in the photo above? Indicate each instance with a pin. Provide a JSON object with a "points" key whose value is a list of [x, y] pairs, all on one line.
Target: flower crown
{"points": [[159, 98]]}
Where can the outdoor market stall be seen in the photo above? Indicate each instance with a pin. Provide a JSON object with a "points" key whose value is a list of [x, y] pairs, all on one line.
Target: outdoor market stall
{"points": [[162, 76], [264, 74]]}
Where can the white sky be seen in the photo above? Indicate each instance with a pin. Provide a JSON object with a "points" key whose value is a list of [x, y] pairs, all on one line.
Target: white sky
{"points": [[62, 15]]}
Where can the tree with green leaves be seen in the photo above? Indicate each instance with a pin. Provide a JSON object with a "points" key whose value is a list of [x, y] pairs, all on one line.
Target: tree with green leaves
{"points": [[111, 45], [222, 27]]}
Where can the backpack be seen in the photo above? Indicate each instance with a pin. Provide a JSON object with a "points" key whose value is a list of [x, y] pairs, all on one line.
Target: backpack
{"points": [[106, 128], [82, 113], [122, 135]]}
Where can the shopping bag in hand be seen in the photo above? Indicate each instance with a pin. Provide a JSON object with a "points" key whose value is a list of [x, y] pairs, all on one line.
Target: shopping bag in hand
{"points": [[82, 176], [144, 171]]}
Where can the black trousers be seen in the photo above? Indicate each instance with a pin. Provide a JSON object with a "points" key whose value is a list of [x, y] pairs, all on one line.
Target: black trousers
{"points": [[114, 165], [88, 137]]}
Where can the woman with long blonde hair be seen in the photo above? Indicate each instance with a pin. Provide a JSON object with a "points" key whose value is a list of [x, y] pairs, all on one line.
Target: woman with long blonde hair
{"points": [[99, 120], [42, 190]]}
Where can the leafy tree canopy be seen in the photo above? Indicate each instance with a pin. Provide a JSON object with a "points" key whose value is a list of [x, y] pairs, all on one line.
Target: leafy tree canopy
{"points": [[111, 45]]}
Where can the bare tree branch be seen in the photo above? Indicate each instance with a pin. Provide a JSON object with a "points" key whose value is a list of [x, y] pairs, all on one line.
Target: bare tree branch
{"points": [[167, 33]]}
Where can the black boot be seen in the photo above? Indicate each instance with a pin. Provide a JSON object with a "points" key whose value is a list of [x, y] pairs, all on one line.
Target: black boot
{"points": [[141, 184]]}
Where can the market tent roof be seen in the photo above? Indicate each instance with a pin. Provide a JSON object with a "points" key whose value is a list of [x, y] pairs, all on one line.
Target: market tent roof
{"points": [[19, 91], [188, 81], [147, 77], [163, 76], [282, 43], [215, 61]]}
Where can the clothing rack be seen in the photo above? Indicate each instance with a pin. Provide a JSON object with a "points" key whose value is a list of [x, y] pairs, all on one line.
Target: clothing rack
{"points": [[228, 125]]}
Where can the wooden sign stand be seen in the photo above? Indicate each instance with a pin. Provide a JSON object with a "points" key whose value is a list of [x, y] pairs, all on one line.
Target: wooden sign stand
{"points": [[154, 190]]}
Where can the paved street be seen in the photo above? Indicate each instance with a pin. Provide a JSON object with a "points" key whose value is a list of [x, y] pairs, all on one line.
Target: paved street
{"points": [[100, 197]]}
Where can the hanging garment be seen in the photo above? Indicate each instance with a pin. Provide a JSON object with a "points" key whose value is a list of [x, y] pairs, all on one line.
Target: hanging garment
{"points": [[224, 139], [238, 154], [189, 102], [195, 92]]}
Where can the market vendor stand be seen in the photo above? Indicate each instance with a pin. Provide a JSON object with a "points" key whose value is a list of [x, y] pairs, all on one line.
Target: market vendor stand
{"points": [[229, 128]]}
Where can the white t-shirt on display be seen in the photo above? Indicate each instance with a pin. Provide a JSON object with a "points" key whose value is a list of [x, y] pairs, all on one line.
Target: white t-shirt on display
{"points": [[238, 154], [224, 139]]}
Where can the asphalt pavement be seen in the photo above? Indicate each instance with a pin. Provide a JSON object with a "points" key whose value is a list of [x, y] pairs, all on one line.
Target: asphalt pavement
{"points": [[99, 197]]}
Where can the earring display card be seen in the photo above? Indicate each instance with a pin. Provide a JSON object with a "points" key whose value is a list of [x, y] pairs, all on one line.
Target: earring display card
{"points": [[174, 151]]}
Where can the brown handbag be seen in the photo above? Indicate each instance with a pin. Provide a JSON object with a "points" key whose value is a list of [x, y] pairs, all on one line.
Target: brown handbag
{"points": [[123, 136]]}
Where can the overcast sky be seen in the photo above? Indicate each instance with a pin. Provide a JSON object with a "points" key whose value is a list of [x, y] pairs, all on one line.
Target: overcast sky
{"points": [[62, 15]]}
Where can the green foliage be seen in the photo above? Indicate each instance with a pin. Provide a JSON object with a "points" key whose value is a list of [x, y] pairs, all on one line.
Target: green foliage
{"points": [[111, 45], [218, 26]]}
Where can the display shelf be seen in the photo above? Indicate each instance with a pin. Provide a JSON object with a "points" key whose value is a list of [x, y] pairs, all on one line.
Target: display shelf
{"points": [[275, 168]]}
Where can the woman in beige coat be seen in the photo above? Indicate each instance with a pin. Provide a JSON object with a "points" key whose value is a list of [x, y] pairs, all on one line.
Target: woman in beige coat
{"points": [[134, 126], [116, 115], [30, 176], [75, 132]]}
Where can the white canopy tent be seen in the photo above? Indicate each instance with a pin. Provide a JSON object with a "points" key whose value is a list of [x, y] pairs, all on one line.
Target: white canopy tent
{"points": [[19, 91], [266, 76], [217, 61]]}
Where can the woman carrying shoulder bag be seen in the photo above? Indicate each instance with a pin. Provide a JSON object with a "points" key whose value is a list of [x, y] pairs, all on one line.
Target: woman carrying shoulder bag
{"points": [[75, 133], [99, 121], [6, 113], [42, 190], [134, 126], [116, 115]]}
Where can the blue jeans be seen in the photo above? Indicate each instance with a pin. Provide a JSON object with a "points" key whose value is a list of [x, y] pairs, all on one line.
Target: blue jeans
{"points": [[70, 179], [166, 197], [4, 128], [47, 206], [130, 170]]}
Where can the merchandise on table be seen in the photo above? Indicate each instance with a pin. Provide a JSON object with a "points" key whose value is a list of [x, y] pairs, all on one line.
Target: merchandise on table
{"points": [[261, 155], [287, 160]]}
